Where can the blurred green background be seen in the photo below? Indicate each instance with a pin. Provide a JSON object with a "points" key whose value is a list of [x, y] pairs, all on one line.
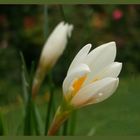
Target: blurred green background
{"points": [[24, 27]]}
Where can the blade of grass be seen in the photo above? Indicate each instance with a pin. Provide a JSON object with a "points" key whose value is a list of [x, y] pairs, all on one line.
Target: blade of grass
{"points": [[27, 99], [25, 80], [27, 121], [28, 105], [38, 123], [37, 120], [50, 103]]}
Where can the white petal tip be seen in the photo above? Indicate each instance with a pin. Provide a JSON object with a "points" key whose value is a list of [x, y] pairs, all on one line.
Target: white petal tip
{"points": [[117, 64], [112, 43], [84, 69], [120, 65], [89, 45], [61, 23]]}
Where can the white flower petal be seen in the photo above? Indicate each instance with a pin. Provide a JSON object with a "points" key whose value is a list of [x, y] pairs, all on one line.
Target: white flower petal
{"points": [[99, 58], [107, 92], [112, 70], [79, 71], [95, 92], [79, 58], [56, 43]]}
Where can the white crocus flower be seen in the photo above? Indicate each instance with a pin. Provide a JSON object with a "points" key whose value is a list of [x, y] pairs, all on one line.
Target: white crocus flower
{"points": [[92, 77], [52, 50]]}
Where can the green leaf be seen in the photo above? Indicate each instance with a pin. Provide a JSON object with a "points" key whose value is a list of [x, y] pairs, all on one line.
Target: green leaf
{"points": [[37, 120], [27, 120], [27, 85], [50, 103], [25, 79]]}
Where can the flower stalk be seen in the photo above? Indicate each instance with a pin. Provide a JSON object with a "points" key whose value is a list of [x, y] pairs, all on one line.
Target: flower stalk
{"points": [[39, 78], [62, 114]]}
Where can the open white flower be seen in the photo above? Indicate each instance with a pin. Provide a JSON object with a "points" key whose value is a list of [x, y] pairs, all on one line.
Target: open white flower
{"points": [[52, 50], [92, 77]]}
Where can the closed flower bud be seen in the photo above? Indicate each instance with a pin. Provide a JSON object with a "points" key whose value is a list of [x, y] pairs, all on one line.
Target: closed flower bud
{"points": [[52, 50]]}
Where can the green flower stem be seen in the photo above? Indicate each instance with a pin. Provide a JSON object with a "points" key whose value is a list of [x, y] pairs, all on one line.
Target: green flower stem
{"points": [[39, 77], [60, 117], [73, 122], [70, 125]]}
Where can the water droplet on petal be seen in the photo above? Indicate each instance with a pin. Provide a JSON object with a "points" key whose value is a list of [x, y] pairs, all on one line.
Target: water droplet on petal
{"points": [[100, 94]]}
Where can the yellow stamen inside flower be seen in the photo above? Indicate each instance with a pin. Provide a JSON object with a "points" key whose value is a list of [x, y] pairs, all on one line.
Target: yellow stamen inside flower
{"points": [[77, 84]]}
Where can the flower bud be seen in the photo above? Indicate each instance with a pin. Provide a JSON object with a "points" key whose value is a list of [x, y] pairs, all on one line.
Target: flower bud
{"points": [[52, 50]]}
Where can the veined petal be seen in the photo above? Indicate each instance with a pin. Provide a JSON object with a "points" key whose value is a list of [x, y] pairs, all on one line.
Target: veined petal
{"points": [[79, 58], [78, 72], [100, 58], [95, 92], [112, 70]]}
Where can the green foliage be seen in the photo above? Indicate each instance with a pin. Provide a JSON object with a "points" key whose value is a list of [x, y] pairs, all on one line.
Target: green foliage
{"points": [[119, 115]]}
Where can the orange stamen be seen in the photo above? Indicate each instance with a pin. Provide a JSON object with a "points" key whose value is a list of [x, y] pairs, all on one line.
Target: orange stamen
{"points": [[78, 83]]}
